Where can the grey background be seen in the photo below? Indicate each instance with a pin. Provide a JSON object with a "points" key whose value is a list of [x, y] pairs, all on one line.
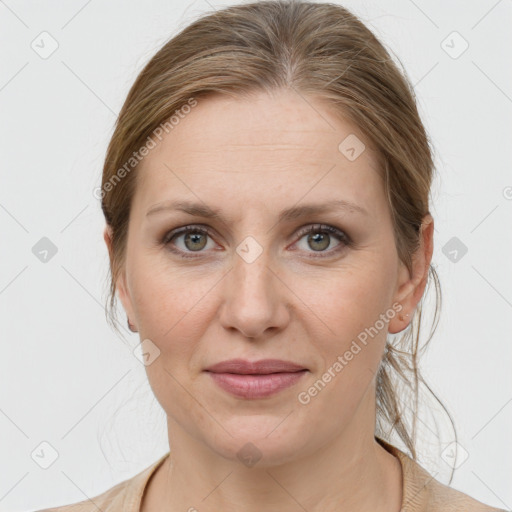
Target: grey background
{"points": [[67, 380]]}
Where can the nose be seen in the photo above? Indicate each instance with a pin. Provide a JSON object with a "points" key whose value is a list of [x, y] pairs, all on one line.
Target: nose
{"points": [[255, 298]]}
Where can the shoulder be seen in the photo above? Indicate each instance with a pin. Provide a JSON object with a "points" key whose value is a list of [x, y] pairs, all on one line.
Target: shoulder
{"points": [[125, 496], [423, 493], [110, 500], [443, 498]]}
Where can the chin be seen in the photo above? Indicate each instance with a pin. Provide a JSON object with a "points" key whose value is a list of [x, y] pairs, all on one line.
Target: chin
{"points": [[259, 441]]}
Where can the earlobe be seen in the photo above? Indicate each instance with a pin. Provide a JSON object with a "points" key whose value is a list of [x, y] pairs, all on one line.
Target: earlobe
{"points": [[107, 236], [412, 286], [122, 289], [403, 297], [121, 285]]}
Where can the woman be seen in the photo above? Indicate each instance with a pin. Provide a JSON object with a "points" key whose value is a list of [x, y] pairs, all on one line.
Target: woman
{"points": [[266, 194]]}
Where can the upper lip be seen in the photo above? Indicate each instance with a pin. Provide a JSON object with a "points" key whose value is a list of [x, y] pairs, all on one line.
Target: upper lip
{"points": [[262, 367]]}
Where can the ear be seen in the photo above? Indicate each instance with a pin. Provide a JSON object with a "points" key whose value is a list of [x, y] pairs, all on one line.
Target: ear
{"points": [[410, 286], [121, 284]]}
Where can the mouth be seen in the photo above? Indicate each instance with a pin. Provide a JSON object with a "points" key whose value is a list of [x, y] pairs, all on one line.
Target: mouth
{"points": [[259, 379]]}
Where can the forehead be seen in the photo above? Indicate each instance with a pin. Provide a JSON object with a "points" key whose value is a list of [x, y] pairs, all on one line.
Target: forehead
{"points": [[265, 148]]}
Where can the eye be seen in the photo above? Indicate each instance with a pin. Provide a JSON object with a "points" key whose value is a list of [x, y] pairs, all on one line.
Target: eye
{"points": [[194, 240], [319, 238]]}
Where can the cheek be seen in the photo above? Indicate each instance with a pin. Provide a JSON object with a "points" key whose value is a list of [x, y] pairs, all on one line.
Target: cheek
{"points": [[350, 340], [346, 305], [171, 305], [172, 314], [160, 288]]}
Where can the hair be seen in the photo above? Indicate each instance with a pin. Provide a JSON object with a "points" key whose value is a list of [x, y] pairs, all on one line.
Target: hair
{"points": [[319, 50]]}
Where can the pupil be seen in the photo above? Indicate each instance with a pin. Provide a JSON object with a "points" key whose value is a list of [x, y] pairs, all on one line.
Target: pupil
{"points": [[317, 237], [194, 238]]}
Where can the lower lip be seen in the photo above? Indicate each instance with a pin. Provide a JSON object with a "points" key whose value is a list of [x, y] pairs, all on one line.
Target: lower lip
{"points": [[256, 386]]}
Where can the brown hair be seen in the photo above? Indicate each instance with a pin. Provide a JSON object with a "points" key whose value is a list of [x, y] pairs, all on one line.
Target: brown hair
{"points": [[316, 49]]}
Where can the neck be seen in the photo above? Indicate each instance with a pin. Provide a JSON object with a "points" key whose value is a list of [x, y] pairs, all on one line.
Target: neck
{"points": [[350, 472]]}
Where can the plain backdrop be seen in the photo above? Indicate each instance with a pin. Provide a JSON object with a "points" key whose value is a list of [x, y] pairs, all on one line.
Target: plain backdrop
{"points": [[71, 388]]}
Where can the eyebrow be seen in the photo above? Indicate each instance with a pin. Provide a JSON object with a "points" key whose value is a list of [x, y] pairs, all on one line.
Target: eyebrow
{"points": [[295, 212]]}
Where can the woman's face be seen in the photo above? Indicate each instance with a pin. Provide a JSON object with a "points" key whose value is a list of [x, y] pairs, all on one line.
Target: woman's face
{"points": [[257, 285]]}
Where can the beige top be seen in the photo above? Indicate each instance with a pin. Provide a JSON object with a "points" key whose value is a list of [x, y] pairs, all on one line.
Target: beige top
{"points": [[421, 492]]}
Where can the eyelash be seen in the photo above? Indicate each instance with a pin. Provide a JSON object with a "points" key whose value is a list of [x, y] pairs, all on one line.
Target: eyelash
{"points": [[314, 228]]}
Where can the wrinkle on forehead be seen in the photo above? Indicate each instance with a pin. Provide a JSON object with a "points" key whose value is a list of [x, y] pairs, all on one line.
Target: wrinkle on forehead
{"points": [[226, 146]]}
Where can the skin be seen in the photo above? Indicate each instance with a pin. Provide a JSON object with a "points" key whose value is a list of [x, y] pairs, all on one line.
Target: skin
{"points": [[252, 159]]}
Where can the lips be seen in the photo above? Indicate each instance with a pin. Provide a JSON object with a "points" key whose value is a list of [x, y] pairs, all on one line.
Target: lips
{"points": [[255, 380], [262, 367]]}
